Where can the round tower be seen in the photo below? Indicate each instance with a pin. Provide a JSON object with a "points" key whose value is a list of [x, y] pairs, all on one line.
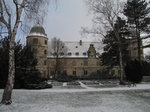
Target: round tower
{"points": [[38, 41]]}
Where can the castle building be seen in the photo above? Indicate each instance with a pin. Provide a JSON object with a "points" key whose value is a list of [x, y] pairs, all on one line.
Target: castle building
{"points": [[79, 59]]}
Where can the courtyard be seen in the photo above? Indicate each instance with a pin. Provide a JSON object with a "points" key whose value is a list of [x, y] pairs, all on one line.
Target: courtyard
{"points": [[81, 96]]}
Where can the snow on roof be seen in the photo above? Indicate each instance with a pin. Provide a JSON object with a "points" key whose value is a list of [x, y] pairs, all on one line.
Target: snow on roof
{"points": [[37, 34], [77, 49]]}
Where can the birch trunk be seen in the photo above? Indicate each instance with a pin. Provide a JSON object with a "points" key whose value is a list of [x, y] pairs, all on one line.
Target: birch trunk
{"points": [[6, 99], [7, 94]]}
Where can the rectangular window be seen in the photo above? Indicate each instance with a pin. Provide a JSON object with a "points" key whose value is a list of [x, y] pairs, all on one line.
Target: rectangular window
{"points": [[35, 41], [65, 71], [52, 72], [74, 72], [119, 71], [85, 63], [45, 51], [45, 42], [98, 71], [52, 63], [112, 72], [85, 72], [45, 62]]}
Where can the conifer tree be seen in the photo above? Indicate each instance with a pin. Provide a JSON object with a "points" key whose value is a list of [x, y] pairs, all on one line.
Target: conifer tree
{"points": [[25, 63], [110, 57], [137, 13]]}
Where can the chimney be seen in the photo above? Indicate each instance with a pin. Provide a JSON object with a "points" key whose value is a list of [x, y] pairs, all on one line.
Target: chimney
{"points": [[80, 42]]}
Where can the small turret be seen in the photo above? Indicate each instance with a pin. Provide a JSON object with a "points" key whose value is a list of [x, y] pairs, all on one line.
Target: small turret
{"points": [[92, 51]]}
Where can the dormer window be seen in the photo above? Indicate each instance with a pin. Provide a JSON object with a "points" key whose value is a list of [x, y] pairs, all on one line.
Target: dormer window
{"points": [[77, 54], [69, 53], [76, 46], [84, 53], [61, 53]]}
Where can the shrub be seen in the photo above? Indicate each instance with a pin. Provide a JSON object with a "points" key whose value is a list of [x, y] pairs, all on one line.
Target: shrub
{"points": [[66, 78], [42, 85], [133, 71]]}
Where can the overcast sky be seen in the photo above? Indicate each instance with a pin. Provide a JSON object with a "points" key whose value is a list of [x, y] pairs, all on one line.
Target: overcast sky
{"points": [[65, 20]]}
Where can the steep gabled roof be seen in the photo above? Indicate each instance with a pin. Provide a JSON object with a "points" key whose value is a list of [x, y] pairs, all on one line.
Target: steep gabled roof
{"points": [[77, 49]]}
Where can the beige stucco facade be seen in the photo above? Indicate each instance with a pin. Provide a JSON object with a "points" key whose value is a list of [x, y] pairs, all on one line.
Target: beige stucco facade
{"points": [[80, 67]]}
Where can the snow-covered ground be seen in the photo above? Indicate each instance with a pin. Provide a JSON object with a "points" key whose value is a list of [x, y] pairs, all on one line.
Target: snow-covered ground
{"points": [[116, 99]]}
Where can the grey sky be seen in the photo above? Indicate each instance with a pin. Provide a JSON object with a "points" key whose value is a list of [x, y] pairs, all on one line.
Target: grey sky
{"points": [[66, 20]]}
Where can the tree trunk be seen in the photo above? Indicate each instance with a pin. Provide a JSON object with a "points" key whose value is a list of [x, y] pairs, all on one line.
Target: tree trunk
{"points": [[139, 47], [6, 99], [138, 42], [120, 56], [121, 65], [56, 67]]}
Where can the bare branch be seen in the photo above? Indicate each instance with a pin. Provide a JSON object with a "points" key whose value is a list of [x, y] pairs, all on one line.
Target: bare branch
{"points": [[146, 46], [2, 19], [146, 37]]}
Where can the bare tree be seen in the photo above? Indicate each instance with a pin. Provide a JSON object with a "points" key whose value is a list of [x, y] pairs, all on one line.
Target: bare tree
{"points": [[105, 14], [59, 50], [12, 14]]}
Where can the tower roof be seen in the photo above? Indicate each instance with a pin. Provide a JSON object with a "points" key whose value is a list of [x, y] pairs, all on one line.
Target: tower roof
{"points": [[37, 30]]}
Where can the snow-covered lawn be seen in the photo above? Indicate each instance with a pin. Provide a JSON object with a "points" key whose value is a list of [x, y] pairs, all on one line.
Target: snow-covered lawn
{"points": [[122, 99]]}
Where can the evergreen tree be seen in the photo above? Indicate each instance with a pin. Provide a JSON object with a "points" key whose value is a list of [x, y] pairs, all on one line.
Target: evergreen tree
{"points": [[133, 71], [25, 64], [137, 12], [110, 57]]}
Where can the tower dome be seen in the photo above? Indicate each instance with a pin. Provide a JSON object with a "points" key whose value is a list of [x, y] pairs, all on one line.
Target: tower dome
{"points": [[38, 30]]}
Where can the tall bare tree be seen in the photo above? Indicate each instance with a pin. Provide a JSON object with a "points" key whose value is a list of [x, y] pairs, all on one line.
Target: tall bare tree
{"points": [[105, 13], [12, 14], [59, 50]]}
